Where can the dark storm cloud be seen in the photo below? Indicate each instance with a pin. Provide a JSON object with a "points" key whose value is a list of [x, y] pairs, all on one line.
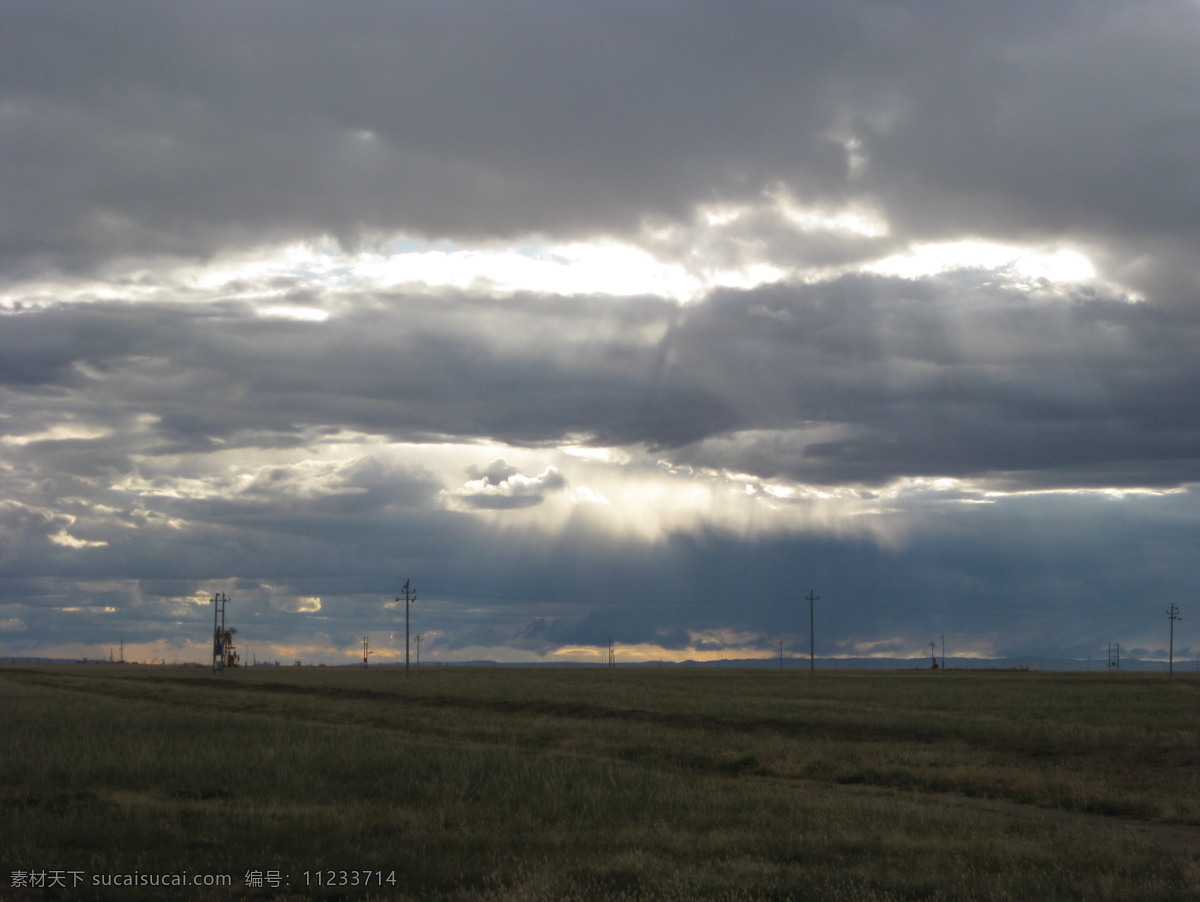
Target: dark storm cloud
{"points": [[185, 129], [1017, 577], [862, 380], [1081, 123], [134, 129], [954, 376], [524, 370]]}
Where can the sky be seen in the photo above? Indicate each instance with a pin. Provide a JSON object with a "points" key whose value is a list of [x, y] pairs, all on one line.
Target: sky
{"points": [[599, 322]]}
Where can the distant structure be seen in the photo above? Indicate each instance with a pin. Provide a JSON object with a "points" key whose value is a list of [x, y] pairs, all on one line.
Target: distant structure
{"points": [[812, 632], [1172, 615], [410, 598], [366, 651], [1114, 656], [224, 652]]}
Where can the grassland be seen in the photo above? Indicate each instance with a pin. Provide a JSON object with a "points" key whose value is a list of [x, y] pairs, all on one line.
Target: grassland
{"points": [[539, 784]]}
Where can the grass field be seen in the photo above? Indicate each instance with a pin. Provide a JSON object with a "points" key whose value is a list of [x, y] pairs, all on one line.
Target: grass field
{"points": [[539, 784]]}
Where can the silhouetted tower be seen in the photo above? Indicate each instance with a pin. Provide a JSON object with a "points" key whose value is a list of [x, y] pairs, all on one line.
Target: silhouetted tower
{"points": [[366, 651], [410, 597], [812, 642], [1172, 615], [224, 654]]}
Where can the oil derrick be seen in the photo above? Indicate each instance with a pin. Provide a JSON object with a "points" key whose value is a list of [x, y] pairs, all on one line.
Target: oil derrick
{"points": [[231, 656]]}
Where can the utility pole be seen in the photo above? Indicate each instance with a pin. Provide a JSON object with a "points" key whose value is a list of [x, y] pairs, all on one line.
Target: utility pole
{"points": [[410, 596], [1172, 615], [220, 634], [366, 651], [812, 642]]}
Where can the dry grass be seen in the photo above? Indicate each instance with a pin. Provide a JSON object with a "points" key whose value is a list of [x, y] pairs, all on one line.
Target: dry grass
{"points": [[602, 784]]}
